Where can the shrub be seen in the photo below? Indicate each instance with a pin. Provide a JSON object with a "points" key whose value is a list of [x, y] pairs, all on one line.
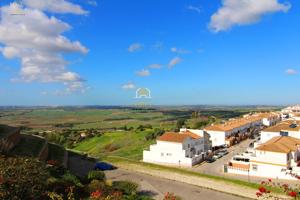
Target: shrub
{"points": [[126, 187], [96, 175], [111, 147], [69, 178], [22, 178], [96, 185]]}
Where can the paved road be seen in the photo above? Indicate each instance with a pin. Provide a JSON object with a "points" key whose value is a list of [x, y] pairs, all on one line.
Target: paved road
{"points": [[157, 187], [216, 168]]}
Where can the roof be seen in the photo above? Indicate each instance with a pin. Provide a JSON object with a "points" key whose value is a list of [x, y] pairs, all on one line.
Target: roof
{"points": [[236, 123], [280, 144], [174, 137], [192, 135], [284, 126]]}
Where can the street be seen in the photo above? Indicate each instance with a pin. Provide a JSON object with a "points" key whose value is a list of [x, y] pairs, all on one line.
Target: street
{"points": [[157, 187]]}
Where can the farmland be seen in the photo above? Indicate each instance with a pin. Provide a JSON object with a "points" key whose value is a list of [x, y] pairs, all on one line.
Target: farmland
{"points": [[115, 131]]}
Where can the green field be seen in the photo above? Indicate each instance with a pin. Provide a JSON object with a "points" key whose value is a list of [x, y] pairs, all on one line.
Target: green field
{"points": [[122, 143], [113, 131]]}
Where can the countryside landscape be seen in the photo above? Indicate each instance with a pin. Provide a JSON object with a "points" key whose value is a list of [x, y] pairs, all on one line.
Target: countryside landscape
{"points": [[149, 100]]}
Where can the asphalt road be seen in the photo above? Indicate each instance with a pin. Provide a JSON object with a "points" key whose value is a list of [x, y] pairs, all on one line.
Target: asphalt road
{"points": [[217, 167], [157, 187]]}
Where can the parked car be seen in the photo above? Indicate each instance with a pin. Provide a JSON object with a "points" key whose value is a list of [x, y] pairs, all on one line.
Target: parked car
{"points": [[223, 152], [211, 160], [217, 156], [103, 166]]}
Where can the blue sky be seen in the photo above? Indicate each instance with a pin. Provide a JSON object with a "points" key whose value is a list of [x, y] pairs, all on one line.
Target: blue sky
{"points": [[185, 52]]}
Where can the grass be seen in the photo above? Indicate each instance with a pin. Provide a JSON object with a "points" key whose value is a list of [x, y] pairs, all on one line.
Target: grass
{"points": [[120, 143]]}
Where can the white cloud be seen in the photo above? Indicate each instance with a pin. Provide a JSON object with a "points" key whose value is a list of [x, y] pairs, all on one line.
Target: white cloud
{"points": [[194, 8], [92, 2], [291, 71], [129, 86], [243, 12], [37, 41], [56, 6], [174, 62], [135, 47], [179, 51], [155, 66], [143, 72]]}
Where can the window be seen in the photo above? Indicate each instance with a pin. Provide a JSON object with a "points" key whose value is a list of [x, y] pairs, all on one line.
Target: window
{"points": [[189, 145], [169, 154], [161, 154], [254, 167], [283, 133]]}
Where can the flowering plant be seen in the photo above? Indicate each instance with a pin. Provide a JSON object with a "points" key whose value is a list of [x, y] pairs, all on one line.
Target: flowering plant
{"points": [[264, 193]]}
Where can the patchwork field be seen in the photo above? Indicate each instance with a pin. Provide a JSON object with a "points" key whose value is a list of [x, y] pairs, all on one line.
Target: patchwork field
{"points": [[116, 131]]}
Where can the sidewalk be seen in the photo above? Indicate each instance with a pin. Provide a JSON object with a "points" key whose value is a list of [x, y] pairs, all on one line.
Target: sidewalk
{"points": [[217, 185]]}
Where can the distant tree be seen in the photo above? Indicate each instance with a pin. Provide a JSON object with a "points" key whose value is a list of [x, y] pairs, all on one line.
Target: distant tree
{"points": [[180, 123], [195, 115]]}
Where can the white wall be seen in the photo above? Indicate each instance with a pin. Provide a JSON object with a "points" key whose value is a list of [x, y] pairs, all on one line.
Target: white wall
{"points": [[172, 153], [217, 138], [266, 136]]}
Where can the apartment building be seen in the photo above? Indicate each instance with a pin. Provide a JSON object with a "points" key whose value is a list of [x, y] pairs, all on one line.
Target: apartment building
{"points": [[284, 128], [277, 158], [181, 149], [221, 134]]}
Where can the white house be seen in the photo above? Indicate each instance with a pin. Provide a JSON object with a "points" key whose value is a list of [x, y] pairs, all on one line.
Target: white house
{"points": [[221, 133], [277, 158], [180, 149], [284, 128]]}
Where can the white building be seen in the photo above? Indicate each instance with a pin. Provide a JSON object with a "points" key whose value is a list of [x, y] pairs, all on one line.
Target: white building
{"points": [[180, 149], [277, 158], [291, 109], [284, 128], [221, 134]]}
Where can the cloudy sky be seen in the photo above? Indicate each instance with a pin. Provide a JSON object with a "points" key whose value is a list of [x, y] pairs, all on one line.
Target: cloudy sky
{"points": [[99, 52]]}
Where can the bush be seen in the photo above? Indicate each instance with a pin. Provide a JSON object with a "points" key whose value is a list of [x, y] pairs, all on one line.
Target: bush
{"points": [[96, 185], [111, 147], [22, 178], [96, 175], [69, 178], [126, 187]]}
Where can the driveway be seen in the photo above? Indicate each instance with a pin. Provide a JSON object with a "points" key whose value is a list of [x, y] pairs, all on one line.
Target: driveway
{"points": [[217, 167], [157, 187]]}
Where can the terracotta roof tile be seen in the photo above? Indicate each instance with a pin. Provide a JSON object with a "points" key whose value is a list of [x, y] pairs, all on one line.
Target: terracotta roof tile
{"points": [[281, 144], [283, 126], [174, 137], [236, 123]]}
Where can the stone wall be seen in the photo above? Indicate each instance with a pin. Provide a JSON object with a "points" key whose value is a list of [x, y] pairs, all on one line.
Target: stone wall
{"points": [[43, 155], [10, 140]]}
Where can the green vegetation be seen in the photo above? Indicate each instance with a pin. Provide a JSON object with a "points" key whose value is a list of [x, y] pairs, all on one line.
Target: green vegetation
{"points": [[24, 178], [96, 175], [129, 144], [28, 178]]}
